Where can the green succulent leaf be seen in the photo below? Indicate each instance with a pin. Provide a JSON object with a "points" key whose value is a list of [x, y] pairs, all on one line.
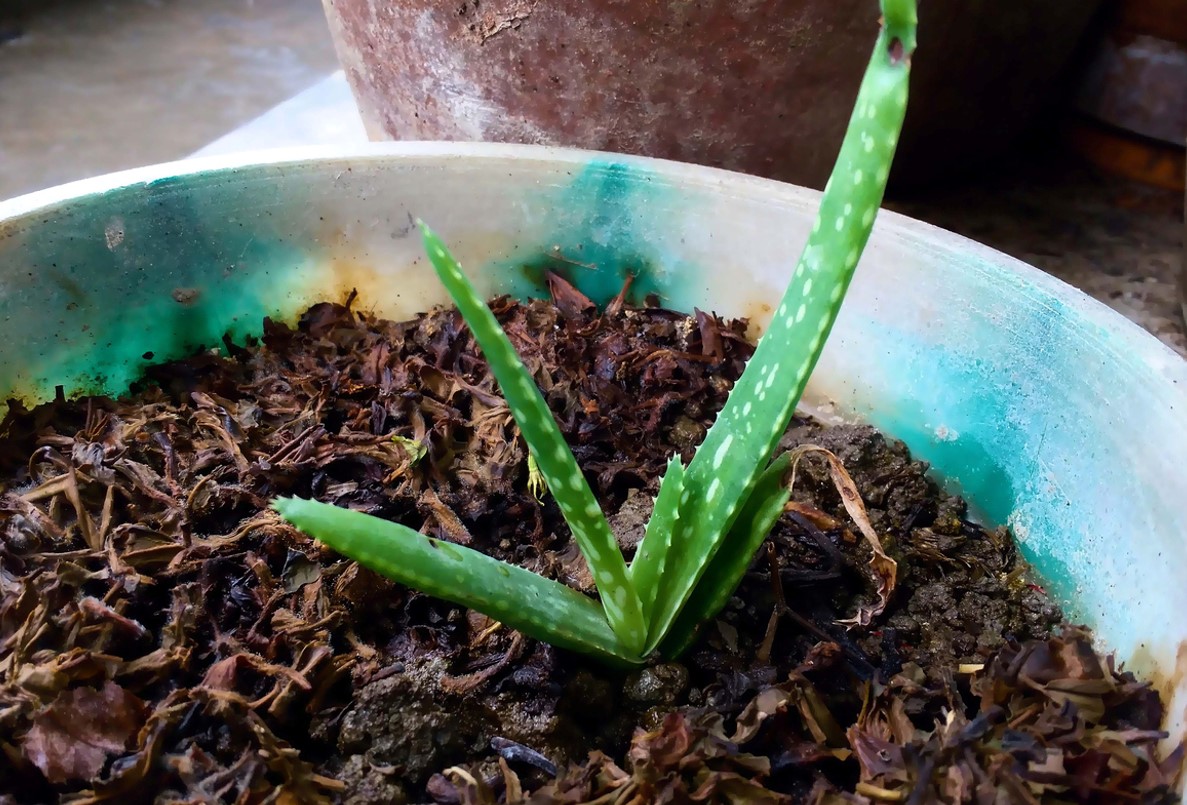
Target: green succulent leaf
{"points": [[723, 575], [553, 457], [647, 568], [541, 608], [738, 447]]}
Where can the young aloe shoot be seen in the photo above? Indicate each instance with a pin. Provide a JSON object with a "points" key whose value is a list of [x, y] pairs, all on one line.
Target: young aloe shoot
{"points": [[711, 517]]}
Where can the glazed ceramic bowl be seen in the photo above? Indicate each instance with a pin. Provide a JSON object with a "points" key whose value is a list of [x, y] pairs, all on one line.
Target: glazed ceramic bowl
{"points": [[1051, 413]]}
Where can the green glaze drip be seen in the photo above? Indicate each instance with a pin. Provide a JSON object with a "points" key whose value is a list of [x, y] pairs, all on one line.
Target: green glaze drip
{"points": [[135, 292], [603, 250]]}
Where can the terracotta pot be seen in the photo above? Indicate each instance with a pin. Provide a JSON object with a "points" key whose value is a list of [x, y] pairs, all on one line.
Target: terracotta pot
{"points": [[753, 85], [1132, 93]]}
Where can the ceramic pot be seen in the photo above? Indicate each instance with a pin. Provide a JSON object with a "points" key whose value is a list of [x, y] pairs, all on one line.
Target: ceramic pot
{"points": [[751, 85], [1132, 93], [1050, 412]]}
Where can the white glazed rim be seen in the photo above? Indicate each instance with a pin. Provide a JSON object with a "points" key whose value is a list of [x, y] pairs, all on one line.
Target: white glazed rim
{"points": [[1141, 346]]}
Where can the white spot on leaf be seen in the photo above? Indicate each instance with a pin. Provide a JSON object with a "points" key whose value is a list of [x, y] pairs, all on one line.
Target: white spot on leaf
{"points": [[719, 456], [771, 378]]}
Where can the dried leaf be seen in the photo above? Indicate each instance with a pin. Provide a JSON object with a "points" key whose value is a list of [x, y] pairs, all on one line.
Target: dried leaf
{"points": [[72, 739], [512, 789], [884, 568], [766, 704], [570, 301], [299, 572]]}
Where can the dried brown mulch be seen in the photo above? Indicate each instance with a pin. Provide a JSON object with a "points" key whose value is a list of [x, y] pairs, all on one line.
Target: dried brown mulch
{"points": [[164, 637]]}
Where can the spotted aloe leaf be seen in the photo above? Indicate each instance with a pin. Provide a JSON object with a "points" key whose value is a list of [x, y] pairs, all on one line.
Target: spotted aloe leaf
{"points": [[521, 599], [754, 522], [553, 457], [709, 517], [648, 566], [739, 446]]}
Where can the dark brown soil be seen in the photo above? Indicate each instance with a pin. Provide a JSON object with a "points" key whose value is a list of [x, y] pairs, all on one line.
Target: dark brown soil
{"points": [[165, 637]]}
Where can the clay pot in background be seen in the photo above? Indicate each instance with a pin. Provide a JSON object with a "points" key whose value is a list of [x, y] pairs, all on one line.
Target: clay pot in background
{"points": [[760, 86], [1132, 99], [1132, 94]]}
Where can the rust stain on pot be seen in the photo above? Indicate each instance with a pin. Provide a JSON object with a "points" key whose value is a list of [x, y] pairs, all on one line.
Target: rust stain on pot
{"points": [[386, 285], [758, 316], [186, 296], [1165, 681], [348, 276], [1177, 678]]}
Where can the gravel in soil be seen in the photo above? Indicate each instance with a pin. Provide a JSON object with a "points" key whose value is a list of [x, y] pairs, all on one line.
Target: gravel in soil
{"points": [[165, 637]]}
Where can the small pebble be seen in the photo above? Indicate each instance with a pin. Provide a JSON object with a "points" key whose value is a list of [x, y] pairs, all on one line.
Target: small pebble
{"points": [[660, 684]]}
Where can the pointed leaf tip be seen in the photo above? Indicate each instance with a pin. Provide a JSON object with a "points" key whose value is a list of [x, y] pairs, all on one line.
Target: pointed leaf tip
{"points": [[426, 231], [288, 507]]}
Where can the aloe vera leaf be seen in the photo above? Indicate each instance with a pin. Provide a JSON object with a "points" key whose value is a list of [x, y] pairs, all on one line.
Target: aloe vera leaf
{"points": [[755, 520], [553, 457], [739, 445], [523, 600], [648, 565]]}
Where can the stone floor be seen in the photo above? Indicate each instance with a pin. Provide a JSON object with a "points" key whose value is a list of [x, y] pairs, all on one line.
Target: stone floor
{"points": [[1118, 241], [90, 86]]}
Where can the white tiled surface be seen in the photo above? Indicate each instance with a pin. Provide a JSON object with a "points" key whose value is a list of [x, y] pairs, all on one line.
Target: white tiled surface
{"points": [[324, 114]]}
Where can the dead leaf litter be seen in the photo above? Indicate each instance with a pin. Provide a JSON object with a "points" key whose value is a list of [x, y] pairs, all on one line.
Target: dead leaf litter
{"points": [[165, 638]]}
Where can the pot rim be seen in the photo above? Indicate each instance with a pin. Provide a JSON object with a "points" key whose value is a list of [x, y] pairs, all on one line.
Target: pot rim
{"points": [[1144, 347]]}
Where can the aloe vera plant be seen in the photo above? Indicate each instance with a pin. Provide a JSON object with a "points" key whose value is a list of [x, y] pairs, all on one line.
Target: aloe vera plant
{"points": [[710, 517]]}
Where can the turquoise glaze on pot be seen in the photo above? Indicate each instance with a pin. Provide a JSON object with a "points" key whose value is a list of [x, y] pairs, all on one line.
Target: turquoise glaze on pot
{"points": [[603, 249], [1053, 415], [1051, 412], [101, 287], [213, 253]]}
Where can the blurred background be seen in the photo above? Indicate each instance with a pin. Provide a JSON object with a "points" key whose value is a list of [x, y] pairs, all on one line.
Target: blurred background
{"points": [[91, 86], [1053, 131]]}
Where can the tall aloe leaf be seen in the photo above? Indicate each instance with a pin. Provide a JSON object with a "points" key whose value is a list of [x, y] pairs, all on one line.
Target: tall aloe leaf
{"points": [[738, 447], [553, 457]]}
